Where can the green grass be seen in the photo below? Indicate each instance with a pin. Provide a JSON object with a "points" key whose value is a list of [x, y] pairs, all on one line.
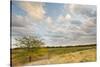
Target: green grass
{"points": [[20, 56], [63, 50]]}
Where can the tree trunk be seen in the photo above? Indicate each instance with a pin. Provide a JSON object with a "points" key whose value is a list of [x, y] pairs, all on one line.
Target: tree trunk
{"points": [[30, 58]]}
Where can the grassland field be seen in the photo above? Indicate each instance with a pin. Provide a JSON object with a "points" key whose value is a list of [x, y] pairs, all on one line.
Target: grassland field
{"points": [[67, 54]]}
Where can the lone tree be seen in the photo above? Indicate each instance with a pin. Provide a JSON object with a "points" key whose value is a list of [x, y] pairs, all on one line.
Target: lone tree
{"points": [[30, 44]]}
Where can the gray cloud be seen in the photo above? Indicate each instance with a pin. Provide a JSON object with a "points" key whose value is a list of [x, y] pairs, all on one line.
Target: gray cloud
{"points": [[85, 10], [88, 25], [76, 22], [20, 21], [22, 25]]}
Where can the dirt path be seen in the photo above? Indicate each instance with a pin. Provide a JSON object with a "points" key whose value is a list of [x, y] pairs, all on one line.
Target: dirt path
{"points": [[80, 56]]}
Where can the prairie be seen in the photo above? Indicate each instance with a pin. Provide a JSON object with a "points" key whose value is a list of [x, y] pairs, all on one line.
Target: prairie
{"points": [[54, 55]]}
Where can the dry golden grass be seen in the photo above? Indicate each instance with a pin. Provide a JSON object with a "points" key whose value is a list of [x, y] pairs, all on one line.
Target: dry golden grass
{"points": [[55, 55], [75, 57]]}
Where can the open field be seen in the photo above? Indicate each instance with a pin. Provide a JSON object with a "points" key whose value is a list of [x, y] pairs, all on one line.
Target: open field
{"points": [[55, 55]]}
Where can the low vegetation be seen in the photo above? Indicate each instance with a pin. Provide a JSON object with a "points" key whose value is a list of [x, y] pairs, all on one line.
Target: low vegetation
{"points": [[68, 54]]}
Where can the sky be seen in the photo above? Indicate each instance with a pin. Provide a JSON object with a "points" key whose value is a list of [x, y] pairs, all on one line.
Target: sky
{"points": [[56, 24]]}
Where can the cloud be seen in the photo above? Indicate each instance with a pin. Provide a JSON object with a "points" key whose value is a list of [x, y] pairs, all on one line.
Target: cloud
{"points": [[34, 9], [49, 21], [22, 25], [61, 18], [84, 16], [65, 18], [73, 8], [76, 22], [88, 25], [54, 26], [85, 10], [68, 17], [63, 25], [20, 21]]}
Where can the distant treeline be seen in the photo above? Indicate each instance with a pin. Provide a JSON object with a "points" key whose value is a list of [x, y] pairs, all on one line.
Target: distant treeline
{"points": [[71, 46], [61, 46]]}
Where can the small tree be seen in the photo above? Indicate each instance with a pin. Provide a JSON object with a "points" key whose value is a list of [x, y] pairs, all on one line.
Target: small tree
{"points": [[29, 43]]}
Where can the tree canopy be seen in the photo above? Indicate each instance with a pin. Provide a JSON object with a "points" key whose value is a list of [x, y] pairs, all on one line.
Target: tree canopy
{"points": [[28, 42]]}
